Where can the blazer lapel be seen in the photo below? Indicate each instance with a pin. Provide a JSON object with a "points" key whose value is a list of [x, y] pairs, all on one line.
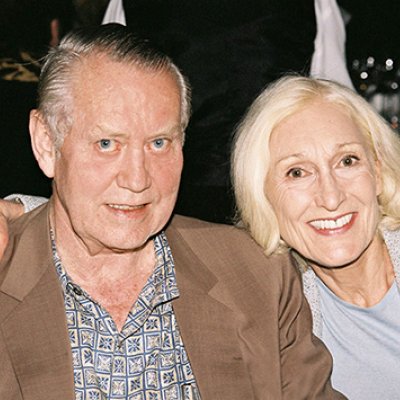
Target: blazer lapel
{"points": [[33, 322], [207, 325]]}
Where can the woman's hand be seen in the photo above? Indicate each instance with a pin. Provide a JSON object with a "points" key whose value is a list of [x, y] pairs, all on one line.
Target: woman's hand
{"points": [[9, 210]]}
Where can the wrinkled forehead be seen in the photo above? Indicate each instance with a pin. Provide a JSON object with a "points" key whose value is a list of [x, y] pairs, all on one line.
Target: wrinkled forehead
{"points": [[104, 70], [124, 97]]}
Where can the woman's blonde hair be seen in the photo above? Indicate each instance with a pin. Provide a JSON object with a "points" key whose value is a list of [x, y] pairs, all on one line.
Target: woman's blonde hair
{"points": [[251, 157]]}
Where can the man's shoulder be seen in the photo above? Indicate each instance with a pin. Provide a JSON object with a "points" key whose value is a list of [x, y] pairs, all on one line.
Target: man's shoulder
{"points": [[25, 259], [21, 224], [187, 226], [184, 222], [221, 241]]}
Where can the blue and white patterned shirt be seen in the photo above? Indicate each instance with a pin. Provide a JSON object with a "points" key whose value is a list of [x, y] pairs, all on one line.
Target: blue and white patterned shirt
{"points": [[147, 359]]}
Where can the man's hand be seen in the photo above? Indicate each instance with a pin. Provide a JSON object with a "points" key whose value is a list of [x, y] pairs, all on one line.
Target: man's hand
{"points": [[9, 210]]}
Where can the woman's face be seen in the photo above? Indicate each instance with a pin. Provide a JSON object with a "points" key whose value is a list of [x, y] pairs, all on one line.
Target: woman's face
{"points": [[323, 185]]}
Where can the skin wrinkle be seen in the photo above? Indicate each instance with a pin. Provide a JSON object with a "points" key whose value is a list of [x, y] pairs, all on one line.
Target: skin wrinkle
{"points": [[322, 168], [120, 110]]}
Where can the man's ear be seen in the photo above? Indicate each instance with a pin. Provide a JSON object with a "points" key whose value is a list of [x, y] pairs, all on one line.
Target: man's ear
{"points": [[42, 143]]}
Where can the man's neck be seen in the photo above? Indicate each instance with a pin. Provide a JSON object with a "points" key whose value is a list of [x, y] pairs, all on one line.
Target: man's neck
{"points": [[112, 279]]}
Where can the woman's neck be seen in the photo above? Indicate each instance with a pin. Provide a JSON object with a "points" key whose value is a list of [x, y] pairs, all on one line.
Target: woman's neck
{"points": [[363, 282]]}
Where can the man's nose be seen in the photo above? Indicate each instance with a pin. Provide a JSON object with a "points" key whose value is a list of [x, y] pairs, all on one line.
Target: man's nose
{"points": [[329, 191], [133, 172]]}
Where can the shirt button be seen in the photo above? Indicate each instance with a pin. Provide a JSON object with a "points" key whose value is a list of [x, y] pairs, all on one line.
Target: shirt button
{"points": [[77, 290]]}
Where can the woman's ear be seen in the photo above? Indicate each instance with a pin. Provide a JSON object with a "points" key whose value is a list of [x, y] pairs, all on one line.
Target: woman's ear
{"points": [[42, 143]]}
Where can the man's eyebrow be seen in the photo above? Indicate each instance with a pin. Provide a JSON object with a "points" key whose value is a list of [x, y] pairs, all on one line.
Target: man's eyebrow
{"points": [[110, 133], [107, 132], [176, 129]]}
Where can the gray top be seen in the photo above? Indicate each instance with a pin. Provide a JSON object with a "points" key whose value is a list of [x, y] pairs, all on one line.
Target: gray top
{"points": [[365, 345], [392, 240], [364, 342]]}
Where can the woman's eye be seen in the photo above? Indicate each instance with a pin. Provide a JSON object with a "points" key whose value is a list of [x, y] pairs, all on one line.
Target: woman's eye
{"points": [[348, 161], [295, 173]]}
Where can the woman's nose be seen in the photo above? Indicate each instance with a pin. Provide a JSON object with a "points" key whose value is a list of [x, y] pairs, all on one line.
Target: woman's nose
{"points": [[330, 192]]}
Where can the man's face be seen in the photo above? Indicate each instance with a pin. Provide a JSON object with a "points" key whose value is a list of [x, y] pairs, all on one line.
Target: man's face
{"points": [[117, 174]]}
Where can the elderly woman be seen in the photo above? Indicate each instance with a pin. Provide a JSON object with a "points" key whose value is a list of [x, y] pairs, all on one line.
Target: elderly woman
{"points": [[317, 171]]}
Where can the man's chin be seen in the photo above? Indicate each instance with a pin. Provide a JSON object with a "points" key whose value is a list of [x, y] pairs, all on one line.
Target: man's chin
{"points": [[116, 246]]}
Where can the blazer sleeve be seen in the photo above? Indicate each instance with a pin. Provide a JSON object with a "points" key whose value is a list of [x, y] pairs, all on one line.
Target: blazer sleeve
{"points": [[306, 363], [9, 387]]}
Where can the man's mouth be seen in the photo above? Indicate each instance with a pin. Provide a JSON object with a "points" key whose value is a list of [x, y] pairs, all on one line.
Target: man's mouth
{"points": [[125, 207]]}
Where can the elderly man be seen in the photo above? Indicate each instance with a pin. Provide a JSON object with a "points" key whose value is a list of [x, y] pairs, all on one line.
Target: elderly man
{"points": [[102, 294]]}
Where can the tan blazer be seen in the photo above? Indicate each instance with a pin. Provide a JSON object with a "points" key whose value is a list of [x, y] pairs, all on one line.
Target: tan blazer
{"points": [[243, 319]]}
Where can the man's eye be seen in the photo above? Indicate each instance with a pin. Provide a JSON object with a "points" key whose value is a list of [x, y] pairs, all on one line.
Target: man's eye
{"points": [[295, 173], [159, 143], [106, 144]]}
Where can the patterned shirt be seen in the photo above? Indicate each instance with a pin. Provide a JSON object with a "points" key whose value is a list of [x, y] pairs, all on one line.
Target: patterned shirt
{"points": [[147, 359]]}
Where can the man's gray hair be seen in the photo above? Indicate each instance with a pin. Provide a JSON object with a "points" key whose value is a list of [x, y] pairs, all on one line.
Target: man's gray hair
{"points": [[120, 45]]}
